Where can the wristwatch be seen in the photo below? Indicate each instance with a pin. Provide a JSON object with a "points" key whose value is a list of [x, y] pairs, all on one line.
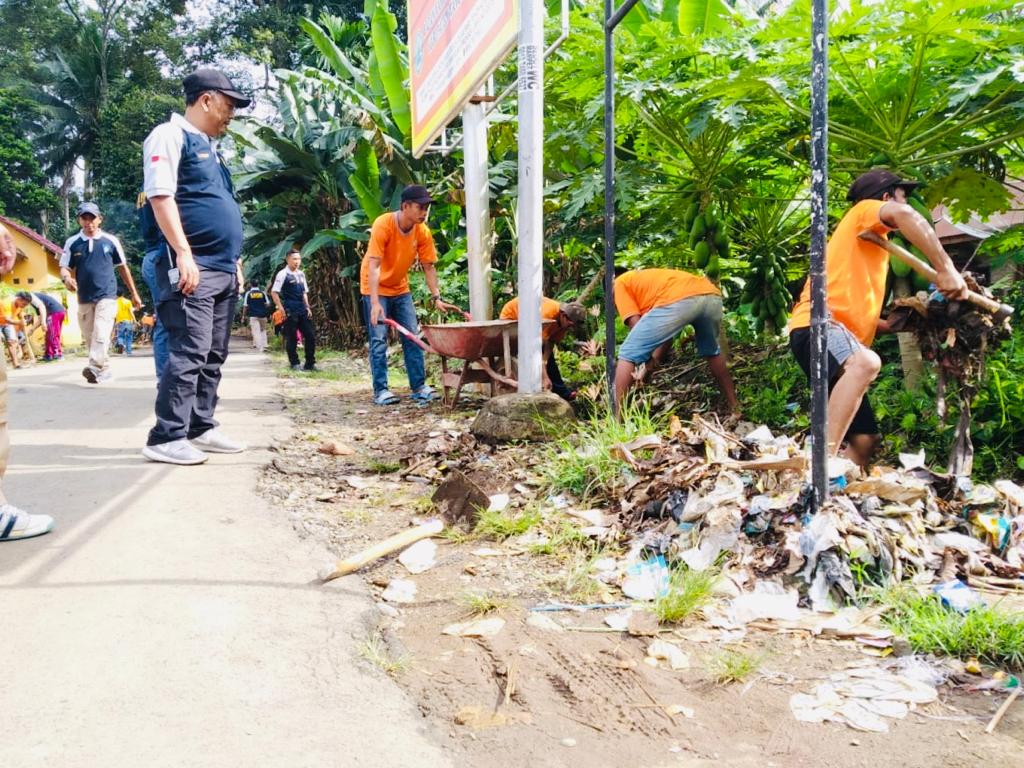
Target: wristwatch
{"points": [[437, 297]]}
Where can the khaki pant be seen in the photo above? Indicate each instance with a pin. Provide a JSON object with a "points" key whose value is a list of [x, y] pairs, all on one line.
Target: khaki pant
{"points": [[259, 332], [97, 321], [5, 441]]}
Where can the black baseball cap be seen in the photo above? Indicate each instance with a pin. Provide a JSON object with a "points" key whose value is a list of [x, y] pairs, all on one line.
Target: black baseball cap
{"points": [[414, 193], [869, 184], [90, 208], [207, 79]]}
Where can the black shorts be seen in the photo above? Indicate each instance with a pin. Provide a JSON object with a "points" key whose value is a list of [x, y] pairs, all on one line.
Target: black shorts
{"points": [[864, 421]]}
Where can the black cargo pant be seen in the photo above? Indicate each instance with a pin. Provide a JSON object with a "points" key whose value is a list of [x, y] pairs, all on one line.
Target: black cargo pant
{"points": [[198, 331], [299, 320]]}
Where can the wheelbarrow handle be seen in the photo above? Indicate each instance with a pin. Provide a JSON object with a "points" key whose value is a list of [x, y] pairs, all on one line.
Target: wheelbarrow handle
{"points": [[408, 334]]}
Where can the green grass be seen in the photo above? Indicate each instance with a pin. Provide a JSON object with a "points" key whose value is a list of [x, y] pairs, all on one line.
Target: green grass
{"points": [[483, 603], [375, 651], [992, 634], [455, 535], [576, 584], [380, 467], [564, 540], [732, 665], [504, 525], [583, 464], [688, 591]]}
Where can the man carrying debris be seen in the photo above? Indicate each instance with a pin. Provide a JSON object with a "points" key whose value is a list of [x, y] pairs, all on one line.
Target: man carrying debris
{"points": [[291, 296], [566, 316], [396, 240], [856, 274], [656, 305], [256, 307]]}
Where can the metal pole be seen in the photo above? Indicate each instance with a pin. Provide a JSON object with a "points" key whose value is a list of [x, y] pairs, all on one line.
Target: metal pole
{"points": [[531, 192], [478, 210], [819, 231], [611, 20]]}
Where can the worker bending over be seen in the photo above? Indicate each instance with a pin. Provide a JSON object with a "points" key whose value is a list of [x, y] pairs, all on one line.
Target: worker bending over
{"points": [[565, 316], [656, 305]]}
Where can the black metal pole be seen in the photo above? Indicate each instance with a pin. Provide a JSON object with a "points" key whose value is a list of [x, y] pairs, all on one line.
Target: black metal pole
{"points": [[612, 18], [819, 234]]}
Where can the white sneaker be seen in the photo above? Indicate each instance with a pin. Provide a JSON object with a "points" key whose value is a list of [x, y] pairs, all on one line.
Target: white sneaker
{"points": [[215, 441], [175, 452], [18, 524]]}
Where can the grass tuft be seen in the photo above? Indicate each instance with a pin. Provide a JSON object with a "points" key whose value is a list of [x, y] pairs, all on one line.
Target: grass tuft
{"points": [[732, 665], [576, 584], [687, 592], [504, 525], [379, 467], [582, 463], [375, 651], [564, 541], [991, 633], [483, 603]]}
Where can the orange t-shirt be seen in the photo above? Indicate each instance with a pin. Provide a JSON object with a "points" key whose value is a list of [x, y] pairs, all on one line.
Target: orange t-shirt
{"points": [[640, 291], [549, 309], [855, 273], [396, 251]]}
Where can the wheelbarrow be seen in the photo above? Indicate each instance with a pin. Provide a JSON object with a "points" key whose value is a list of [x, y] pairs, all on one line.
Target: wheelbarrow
{"points": [[479, 344]]}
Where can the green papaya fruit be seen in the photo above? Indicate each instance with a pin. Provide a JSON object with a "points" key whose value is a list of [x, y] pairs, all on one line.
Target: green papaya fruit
{"points": [[919, 283], [759, 325], [702, 253], [898, 267], [771, 304], [755, 306], [691, 213], [710, 218], [781, 317], [921, 208], [713, 269], [697, 231]]}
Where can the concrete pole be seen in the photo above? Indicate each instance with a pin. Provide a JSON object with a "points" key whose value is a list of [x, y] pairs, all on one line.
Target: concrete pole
{"points": [[478, 210], [531, 192]]}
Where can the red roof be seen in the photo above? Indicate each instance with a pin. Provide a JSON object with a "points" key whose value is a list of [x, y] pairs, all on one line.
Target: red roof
{"points": [[33, 236]]}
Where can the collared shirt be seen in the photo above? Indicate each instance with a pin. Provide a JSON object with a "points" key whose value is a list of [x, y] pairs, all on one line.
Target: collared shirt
{"points": [[94, 259], [256, 303], [161, 155], [291, 286], [396, 250], [181, 161]]}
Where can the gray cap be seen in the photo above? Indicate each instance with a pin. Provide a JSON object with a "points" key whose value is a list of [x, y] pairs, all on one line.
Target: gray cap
{"points": [[575, 311], [85, 208]]}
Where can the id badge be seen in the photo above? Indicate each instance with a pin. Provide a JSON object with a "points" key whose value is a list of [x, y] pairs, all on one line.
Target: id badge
{"points": [[173, 276]]}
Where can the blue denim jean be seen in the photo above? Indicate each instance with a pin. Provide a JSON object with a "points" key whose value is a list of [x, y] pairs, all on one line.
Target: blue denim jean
{"points": [[664, 323], [125, 332], [159, 331], [402, 310]]}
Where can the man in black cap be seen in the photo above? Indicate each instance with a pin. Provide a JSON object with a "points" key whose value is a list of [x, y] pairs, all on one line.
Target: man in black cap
{"points": [[87, 267], [193, 230], [856, 271], [396, 240]]}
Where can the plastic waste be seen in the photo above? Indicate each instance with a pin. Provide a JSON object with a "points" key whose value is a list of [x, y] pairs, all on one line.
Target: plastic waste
{"points": [[958, 596], [647, 579]]}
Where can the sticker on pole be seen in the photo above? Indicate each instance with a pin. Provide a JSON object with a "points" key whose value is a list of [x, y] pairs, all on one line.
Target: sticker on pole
{"points": [[454, 46]]}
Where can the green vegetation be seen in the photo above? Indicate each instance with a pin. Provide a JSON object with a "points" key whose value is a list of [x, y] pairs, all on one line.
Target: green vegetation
{"points": [[375, 651], [576, 582], [688, 591], [584, 464], [732, 665], [991, 634], [564, 539], [504, 525], [483, 603], [382, 467]]}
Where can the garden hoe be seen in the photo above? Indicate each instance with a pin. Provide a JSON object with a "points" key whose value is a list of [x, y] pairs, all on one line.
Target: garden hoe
{"points": [[999, 311]]}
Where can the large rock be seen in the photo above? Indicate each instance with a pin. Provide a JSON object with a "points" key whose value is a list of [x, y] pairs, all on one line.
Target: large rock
{"points": [[538, 417]]}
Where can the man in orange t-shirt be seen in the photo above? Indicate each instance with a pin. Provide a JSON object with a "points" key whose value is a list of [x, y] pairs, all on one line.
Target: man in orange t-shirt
{"points": [[656, 304], [396, 240], [856, 271], [565, 316]]}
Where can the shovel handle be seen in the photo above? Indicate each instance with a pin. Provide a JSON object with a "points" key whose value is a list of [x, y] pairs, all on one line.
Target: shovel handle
{"points": [[386, 547], [928, 273], [408, 334]]}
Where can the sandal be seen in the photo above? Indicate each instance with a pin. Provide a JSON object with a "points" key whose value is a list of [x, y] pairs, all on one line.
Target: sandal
{"points": [[385, 397]]}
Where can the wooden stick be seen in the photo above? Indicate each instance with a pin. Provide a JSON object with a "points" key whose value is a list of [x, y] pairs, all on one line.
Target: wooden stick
{"points": [[1002, 710], [386, 547]]}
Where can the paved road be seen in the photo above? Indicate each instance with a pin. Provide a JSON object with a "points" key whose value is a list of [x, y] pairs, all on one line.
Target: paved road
{"points": [[169, 619]]}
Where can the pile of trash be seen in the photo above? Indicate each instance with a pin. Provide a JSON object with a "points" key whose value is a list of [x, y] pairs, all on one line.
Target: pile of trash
{"points": [[708, 497]]}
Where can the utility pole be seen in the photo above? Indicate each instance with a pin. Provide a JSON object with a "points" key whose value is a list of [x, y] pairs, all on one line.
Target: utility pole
{"points": [[531, 192], [478, 209]]}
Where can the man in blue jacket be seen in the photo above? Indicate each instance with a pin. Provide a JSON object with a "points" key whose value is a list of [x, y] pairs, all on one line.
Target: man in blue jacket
{"points": [[192, 221]]}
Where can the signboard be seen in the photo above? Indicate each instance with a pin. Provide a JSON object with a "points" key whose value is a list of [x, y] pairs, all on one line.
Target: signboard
{"points": [[454, 46]]}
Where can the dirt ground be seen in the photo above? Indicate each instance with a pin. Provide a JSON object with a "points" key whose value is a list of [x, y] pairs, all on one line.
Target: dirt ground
{"points": [[561, 688]]}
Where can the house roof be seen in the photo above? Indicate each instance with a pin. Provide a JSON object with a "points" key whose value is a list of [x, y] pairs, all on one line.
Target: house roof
{"points": [[976, 228], [33, 236]]}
